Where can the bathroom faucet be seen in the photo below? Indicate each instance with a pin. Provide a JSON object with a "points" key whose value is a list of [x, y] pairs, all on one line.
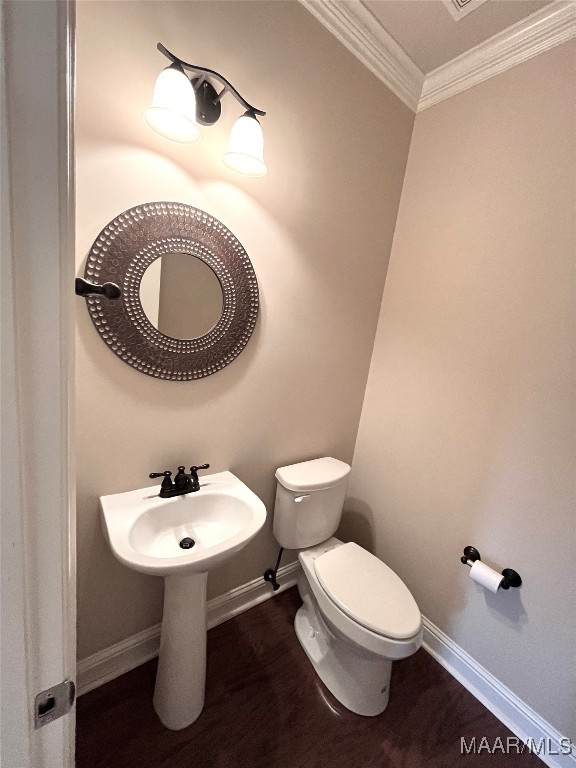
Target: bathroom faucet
{"points": [[182, 484]]}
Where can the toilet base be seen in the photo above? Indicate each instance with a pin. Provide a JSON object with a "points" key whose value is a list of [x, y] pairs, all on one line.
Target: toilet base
{"points": [[359, 679]]}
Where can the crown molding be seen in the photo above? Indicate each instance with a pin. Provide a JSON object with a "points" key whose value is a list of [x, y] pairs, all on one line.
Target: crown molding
{"points": [[554, 24], [355, 27]]}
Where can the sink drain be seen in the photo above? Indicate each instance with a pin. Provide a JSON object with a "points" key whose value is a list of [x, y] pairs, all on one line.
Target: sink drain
{"points": [[187, 543]]}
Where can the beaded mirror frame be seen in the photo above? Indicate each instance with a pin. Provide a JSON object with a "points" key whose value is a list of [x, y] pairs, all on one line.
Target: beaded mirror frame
{"points": [[123, 251]]}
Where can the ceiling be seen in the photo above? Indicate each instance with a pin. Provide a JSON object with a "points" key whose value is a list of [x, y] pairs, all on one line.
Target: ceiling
{"points": [[429, 34]]}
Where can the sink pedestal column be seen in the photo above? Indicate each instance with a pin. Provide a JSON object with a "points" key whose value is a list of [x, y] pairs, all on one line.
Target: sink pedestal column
{"points": [[181, 676]]}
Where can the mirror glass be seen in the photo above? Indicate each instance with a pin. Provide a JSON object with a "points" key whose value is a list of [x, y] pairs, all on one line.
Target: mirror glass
{"points": [[181, 296]]}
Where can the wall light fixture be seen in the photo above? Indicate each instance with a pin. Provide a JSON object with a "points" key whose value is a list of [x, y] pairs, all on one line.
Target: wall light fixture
{"points": [[179, 104]]}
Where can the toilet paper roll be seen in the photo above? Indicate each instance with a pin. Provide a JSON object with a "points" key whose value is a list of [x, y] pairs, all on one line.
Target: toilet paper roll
{"points": [[486, 576]]}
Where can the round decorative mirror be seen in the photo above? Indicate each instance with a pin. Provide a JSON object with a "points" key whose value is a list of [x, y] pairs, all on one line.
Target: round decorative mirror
{"points": [[189, 298]]}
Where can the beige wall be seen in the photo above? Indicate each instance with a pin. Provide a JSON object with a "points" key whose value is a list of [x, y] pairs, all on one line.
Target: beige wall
{"points": [[318, 230], [467, 430]]}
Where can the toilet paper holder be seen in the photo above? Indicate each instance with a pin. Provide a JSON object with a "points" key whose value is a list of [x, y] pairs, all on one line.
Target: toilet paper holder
{"points": [[510, 578]]}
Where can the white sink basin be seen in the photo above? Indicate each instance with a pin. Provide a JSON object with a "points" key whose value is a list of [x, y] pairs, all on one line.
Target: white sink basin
{"points": [[145, 531]]}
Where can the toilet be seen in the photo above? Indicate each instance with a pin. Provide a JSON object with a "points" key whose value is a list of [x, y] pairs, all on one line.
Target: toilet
{"points": [[357, 615]]}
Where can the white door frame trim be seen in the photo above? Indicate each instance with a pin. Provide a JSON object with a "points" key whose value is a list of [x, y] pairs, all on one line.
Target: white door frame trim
{"points": [[37, 281]]}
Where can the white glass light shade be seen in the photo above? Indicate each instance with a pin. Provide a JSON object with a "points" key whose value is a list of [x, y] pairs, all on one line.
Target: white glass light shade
{"points": [[172, 113], [245, 153]]}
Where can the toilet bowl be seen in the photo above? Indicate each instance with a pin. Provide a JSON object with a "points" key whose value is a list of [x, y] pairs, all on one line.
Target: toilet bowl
{"points": [[357, 615], [354, 661]]}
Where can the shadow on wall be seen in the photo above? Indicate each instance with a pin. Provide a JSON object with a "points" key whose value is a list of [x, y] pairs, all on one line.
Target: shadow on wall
{"points": [[511, 610], [357, 524]]}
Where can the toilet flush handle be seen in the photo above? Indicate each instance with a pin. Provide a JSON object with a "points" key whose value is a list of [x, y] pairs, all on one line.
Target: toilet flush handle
{"points": [[299, 499]]}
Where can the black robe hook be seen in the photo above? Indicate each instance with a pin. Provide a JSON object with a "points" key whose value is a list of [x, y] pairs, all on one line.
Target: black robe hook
{"points": [[108, 290]]}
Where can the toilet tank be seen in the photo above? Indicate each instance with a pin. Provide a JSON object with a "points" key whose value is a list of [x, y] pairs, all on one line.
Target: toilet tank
{"points": [[309, 499]]}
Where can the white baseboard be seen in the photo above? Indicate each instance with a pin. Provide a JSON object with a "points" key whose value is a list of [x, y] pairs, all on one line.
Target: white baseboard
{"points": [[121, 657], [521, 719]]}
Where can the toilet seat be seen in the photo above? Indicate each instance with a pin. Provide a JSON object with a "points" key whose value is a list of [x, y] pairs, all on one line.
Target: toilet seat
{"points": [[343, 625], [368, 591]]}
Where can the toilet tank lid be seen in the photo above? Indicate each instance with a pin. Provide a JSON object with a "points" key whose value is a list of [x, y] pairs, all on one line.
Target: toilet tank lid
{"points": [[313, 475]]}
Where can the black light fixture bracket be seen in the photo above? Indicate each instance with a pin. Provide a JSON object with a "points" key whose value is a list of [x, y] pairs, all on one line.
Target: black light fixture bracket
{"points": [[208, 107]]}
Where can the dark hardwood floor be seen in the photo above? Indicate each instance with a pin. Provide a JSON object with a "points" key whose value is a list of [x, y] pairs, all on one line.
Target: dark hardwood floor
{"points": [[265, 708]]}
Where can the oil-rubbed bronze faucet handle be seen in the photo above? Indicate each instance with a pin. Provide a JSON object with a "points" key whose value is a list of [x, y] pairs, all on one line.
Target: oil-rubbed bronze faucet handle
{"points": [[167, 482], [194, 476]]}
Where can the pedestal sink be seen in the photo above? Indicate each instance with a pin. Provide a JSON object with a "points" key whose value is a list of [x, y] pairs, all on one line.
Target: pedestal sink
{"points": [[145, 533]]}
